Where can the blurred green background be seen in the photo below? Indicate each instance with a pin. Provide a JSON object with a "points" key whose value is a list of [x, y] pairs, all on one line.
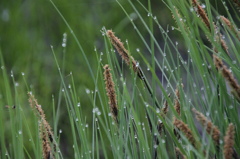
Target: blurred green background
{"points": [[29, 28]]}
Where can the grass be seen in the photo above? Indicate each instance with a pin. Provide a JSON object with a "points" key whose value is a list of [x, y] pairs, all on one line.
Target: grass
{"points": [[163, 99]]}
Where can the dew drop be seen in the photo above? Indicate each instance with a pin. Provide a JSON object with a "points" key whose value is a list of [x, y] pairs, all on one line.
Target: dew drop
{"points": [[87, 91], [203, 6], [78, 105], [220, 141], [207, 113], [20, 132], [76, 119], [60, 131]]}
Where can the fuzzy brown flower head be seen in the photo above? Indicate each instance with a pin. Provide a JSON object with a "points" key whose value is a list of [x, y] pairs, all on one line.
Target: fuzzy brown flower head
{"points": [[111, 92], [179, 154], [226, 21], [227, 75], [229, 142], [210, 127], [116, 42], [45, 129], [180, 125]]}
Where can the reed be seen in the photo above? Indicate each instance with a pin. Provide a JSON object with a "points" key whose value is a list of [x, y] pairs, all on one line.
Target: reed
{"points": [[179, 154], [111, 93], [180, 125], [177, 105], [228, 76], [46, 133], [229, 142], [210, 127], [230, 26], [206, 21], [123, 52]]}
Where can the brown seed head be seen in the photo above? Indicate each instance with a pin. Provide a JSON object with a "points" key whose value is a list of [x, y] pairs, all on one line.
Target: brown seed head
{"points": [[229, 142], [180, 125], [210, 127], [111, 92], [45, 126], [116, 42], [179, 154], [45, 142], [227, 75]]}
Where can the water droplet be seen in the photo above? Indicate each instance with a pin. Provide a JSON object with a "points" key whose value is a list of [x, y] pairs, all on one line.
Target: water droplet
{"points": [[137, 64], [23, 73], [60, 131], [157, 110], [149, 14], [20, 132], [220, 141], [76, 119], [163, 141], [86, 126], [78, 105], [173, 28], [87, 91], [194, 85], [146, 104], [69, 86], [207, 113], [16, 84], [231, 107], [99, 113], [138, 50], [64, 42], [62, 90], [155, 146], [203, 6]]}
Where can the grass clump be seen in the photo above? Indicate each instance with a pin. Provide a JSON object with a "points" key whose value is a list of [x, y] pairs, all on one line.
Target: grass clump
{"points": [[129, 113]]}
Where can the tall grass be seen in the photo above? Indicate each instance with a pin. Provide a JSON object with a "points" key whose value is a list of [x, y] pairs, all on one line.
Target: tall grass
{"points": [[179, 99]]}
